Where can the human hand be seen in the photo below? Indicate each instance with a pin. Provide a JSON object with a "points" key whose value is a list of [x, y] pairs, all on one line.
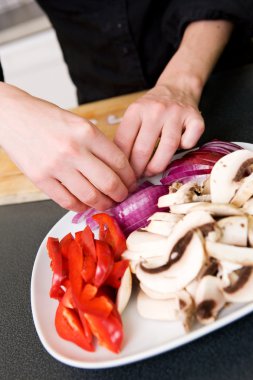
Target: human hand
{"points": [[166, 113], [65, 156]]}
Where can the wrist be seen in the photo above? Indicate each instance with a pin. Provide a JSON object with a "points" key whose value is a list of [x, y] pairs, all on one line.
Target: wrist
{"points": [[180, 80]]}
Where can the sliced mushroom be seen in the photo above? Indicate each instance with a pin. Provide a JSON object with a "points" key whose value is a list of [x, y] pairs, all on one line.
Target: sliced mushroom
{"points": [[217, 209], [201, 198], [248, 206], [149, 259], [163, 310], [234, 230], [162, 223], [225, 252], [241, 290], [250, 230], [184, 208], [174, 309], [209, 299], [166, 217], [143, 241], [124, 291], [183, 195], [161, 295], [226, 272], [244, 192], [227, 174], [185, 260]]}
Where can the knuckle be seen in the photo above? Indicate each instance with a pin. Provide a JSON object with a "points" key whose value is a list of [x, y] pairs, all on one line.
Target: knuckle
{"points": [[170, 144], [91, 197], [68, 203], [120, 161], [141, 152], [88, 131], [111, 184]]}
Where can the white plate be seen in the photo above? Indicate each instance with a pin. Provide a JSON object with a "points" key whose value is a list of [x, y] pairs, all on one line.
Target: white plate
{"points": [[143, 338]]}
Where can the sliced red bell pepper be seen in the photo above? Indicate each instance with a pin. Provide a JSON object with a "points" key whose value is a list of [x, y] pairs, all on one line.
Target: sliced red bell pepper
{"points": [[69, 327], [67, 299], [65, 243], [108, 331], [84, 294], [114, 278], [86, 240], [110, 232], [58, 267], [105, 261], [86, 326]]}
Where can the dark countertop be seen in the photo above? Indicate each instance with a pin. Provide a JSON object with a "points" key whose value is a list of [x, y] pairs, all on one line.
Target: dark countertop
{"points": [[224, 354]]}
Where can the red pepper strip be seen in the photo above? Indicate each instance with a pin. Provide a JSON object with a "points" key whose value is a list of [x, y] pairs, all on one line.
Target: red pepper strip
{"points": [[84, 294], [67, 299], [114, 278], [86, 240], [69, 327], [105, 262], [86, 326], [110, 232], [65, 243], [108, 331], [59, 272]]}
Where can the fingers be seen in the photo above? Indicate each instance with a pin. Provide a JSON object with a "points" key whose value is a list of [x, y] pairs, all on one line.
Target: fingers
{"points": [[145, 142], [171, 139], [169, 142], [58, 193], [128, 130], [84, 190], [119, 178], [194, 128], [104, 179], [177, 125]]}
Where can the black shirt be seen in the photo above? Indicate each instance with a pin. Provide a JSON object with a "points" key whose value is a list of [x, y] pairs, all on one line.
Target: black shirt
{"points": [[120, 46]]}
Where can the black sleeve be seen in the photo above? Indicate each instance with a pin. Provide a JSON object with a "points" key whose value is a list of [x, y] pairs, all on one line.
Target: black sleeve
{"points": [[1, 73], [182, 12]]}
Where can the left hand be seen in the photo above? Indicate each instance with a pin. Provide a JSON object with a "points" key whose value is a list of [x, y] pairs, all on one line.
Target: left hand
{"points": [[166, 116]]}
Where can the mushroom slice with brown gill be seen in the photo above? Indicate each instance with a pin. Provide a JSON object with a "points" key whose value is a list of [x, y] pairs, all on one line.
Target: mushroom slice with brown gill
{"points": [[226, 272], [209, 299], [185, 260], [162, 223], [227, 174], [151, 259], [225, 252], [184, 194], [180, 308], [234, 230], [241, 289]]}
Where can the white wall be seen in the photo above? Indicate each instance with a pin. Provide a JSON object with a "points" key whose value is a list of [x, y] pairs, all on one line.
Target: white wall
{"points": [[36, 65]]}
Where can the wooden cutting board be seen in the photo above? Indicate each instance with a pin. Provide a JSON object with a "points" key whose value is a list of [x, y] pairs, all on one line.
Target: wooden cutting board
{"points": [[15, 187]]}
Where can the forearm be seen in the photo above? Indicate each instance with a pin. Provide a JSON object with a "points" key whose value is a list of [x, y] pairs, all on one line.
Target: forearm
{"points": [[200, 49]]}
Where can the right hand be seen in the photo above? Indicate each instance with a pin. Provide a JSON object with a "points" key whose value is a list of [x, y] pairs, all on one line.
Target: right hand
{"points": [[63, 154]]}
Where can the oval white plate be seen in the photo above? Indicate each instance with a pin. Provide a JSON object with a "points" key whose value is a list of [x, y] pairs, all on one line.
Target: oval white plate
{"points": [[143, 338]]}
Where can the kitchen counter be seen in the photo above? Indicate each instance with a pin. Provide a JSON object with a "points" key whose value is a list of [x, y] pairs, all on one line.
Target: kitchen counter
{"points": [[225, 354]]}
